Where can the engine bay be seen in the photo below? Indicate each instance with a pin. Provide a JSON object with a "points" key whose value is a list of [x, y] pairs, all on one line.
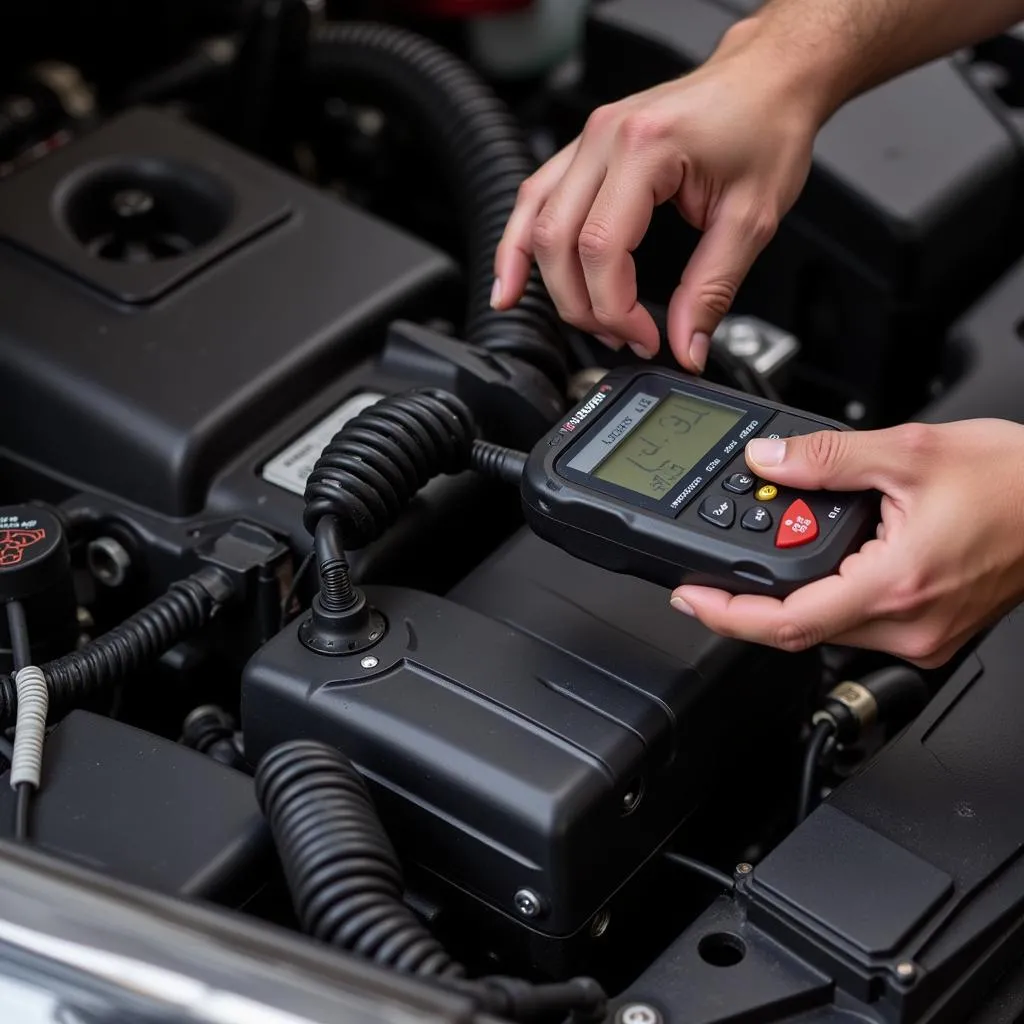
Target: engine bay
{"points": [[296, 657]]}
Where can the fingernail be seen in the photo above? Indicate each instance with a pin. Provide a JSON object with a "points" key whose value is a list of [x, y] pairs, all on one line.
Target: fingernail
{"points": [[699, 345], [681, 606], [767, 451], [639, 350], [496, 293], [613, 343]]}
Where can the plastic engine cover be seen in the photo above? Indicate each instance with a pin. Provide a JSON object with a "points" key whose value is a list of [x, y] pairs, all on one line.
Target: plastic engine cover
{"points": [[502, 761], [168, 299]]}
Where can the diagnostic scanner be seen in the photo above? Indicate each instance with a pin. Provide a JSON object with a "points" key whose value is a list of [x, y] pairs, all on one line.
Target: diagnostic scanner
{"points": [[648, 477]]}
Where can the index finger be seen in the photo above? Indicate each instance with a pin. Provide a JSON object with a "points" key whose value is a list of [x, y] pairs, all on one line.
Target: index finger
{"points": [[514, 255], [811, 615]]}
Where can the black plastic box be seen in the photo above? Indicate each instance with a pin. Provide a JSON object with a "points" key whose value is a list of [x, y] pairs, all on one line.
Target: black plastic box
{"points": [[900, 899], [144, 378], [542, 736], [145, 810]]}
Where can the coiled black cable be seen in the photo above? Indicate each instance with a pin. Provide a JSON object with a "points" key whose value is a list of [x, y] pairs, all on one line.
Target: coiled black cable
{"points": [[482, 155], [346, 884], [186, 608], [341, 868], [380, 459]]}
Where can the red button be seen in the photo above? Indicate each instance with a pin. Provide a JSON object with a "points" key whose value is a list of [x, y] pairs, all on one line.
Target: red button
{"points": [[798, 526]]}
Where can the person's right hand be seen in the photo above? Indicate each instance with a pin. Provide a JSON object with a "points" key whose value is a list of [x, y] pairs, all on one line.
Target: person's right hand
{"points": [[730, 145]]}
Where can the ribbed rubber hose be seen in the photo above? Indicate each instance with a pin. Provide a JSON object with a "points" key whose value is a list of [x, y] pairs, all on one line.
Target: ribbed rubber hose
{"points": [[341, 869], [379, 460], [346, 884], [139, 641], [482, 156]]}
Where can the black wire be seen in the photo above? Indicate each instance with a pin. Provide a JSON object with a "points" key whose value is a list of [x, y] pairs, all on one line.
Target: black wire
{"points": [[22, 803], [6, 749], [21, 656], [700, 868], [812, 759], [18, 628], [295, 584]]}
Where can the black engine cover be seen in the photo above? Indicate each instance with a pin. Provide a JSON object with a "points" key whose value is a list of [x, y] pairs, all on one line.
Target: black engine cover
{"points": [[910, 211], [166, 300]]}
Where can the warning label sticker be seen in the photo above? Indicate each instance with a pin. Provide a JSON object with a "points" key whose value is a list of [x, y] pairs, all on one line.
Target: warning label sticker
{"points": [[291, 467]]}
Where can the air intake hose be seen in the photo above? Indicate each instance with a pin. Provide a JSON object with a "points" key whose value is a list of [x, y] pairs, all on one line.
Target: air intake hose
{"points": [[482, 155], [347, 887]]}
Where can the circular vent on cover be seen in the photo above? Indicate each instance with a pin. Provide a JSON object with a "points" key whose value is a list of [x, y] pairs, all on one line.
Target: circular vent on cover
{"points": [[143, 211]]}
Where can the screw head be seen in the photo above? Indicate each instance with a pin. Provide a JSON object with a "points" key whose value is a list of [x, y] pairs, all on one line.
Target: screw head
{"points": [[527, 903], [369, 661], [906, 971], [744, 868], [638, 1013]]}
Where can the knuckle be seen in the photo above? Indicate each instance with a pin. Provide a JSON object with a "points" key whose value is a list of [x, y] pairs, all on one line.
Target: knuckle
{"points": [[921, 645], [527, 190], [547, 233], [640, 128], [596, 242], [606, 316], [794, 637], [717, 296], [826, 448], [916, 440], [601, 118]]}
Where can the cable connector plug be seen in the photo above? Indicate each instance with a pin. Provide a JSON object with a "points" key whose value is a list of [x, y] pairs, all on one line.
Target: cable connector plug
{"points": [[340, 620]]}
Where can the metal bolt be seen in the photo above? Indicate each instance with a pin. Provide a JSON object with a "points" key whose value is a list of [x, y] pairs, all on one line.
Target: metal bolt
{"points": [[132, 202], [744, 868], [638, 1013], [527, 903], [108, 561], [631, 800], [906, 971], [599, 925], [744, 340], [369, 662]]}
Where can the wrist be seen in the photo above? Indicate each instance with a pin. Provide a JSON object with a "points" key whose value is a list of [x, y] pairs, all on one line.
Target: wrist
{"points": [[802, 68]]}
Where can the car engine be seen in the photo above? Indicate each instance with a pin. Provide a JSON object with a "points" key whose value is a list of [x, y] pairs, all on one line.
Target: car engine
{"points": [[287, 650]]}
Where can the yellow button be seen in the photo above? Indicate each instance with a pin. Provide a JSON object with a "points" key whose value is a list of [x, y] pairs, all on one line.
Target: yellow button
{"points": [[766, 492]]}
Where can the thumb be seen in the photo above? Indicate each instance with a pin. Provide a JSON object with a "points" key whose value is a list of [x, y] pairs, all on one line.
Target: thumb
{"points": [[834, 460], [713, 276]]}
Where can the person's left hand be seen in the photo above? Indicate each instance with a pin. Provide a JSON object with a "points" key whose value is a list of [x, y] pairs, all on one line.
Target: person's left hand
{"points": [[948, 559]]}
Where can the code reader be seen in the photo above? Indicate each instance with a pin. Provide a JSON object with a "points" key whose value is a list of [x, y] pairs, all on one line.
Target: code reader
{"points": [[648, 477]]}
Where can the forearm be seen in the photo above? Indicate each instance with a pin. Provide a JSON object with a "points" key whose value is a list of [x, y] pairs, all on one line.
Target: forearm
{"points": [[835, 49]]}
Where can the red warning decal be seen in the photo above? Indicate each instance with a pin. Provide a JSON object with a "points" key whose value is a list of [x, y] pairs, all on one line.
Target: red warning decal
{"points": [[14, 544]]}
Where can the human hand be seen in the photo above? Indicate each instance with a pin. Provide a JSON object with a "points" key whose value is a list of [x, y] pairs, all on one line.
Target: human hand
{"points": [[729, 145], [948, 559]]}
